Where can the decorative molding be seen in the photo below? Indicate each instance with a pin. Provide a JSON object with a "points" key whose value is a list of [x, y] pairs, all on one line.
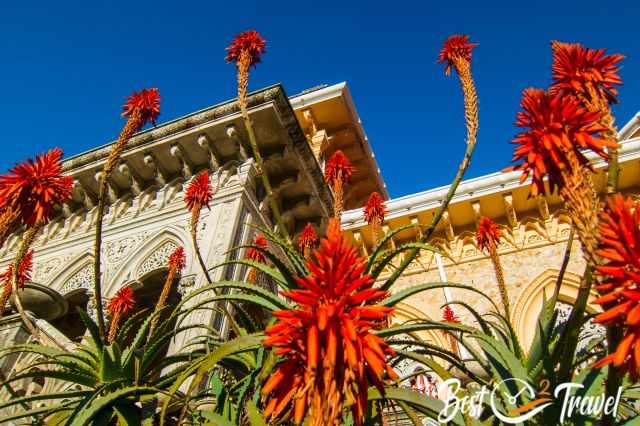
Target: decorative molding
{"points": [[448, 228], [117, 250], [512, 218], [45, 270], [81, 279], [147, 137], [186, 284]]}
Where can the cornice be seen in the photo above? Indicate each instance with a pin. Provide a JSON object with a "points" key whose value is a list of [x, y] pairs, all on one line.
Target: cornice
{"points": [[472, 189], [207, 115]]}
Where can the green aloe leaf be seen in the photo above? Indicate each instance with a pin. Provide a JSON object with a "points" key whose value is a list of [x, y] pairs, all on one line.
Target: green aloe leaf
{"points": [[109, 400]]}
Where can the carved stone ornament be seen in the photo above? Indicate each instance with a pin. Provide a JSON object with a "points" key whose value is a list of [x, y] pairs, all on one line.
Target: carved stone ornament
{"points": [[157, 259]]}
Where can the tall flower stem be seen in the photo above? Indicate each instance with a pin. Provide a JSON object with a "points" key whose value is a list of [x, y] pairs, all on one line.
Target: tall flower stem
{"points": [[113, 327], [457, 53], [470, 99], [376, 229], [195, 218], [502, 287], [243, 65], [8, 219], [133, 124], [28, 238], [430, 229], [581, 200], [4, 299], [338, 190], [162, 300]]}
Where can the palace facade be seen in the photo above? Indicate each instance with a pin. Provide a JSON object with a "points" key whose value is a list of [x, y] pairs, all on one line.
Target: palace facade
{"points": [[147, 220]]}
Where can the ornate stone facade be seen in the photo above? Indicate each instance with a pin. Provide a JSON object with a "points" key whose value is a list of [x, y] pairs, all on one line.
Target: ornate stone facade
{"points": [[146, 218]]}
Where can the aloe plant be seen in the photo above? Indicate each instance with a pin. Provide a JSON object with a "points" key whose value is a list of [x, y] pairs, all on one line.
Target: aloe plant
{"points": [[100, 383]]}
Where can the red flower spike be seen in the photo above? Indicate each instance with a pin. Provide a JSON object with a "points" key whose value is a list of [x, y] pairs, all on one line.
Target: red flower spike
{"points": [[35, 187], [375, 208], [327, 341], [487, 234], [581, 71], [338, 169], [455, 48], [308, 237], [146, 103], [122, 303], [449, 316], [177, 259], [557, 129], [199, 192], [24, 272], [255, 254], [249, 41], [619, 285]]}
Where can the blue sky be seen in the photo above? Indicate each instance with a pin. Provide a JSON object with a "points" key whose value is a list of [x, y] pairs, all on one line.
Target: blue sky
{"points": [[66, 67]]}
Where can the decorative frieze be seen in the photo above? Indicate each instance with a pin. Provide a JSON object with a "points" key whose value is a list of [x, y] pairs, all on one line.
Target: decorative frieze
{"points": [[117, 250], [81, 279]]}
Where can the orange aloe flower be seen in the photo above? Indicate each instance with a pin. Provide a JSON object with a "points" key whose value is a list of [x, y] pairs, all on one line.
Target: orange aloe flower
{"points": [[487, 234], [337, 173], [308, 239], [145, 103], [488, 238], [557, 129], [374, 212], [198, 193], [119, 306], [197, 196], [176, 263], [177, 260], [619, 287], [455, 48], [585, 72], [250, 43], [449, 316], [24, 275], [456, 53], [35, 187], [257, 255], [330, 354]]}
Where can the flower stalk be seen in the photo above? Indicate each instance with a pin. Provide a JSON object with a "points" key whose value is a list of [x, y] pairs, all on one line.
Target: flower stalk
{"points": [[488, 238], [176, 264], [450, 317], [246, 50], [374, 213], [337, 174], [140, 108], [453, 54], [28, 238], [24, 275]]}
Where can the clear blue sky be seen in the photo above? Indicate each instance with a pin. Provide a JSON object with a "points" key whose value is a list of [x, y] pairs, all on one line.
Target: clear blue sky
{"points": [[66, 67]]}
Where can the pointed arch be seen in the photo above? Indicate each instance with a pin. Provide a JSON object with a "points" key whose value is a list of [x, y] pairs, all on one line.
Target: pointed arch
{"points": [[79, 274], [527, 308], [151, 256], [404, 312]]}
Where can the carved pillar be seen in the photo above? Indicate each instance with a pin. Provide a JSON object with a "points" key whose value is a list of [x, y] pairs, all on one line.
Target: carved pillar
{"points": [[186, 284]]}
